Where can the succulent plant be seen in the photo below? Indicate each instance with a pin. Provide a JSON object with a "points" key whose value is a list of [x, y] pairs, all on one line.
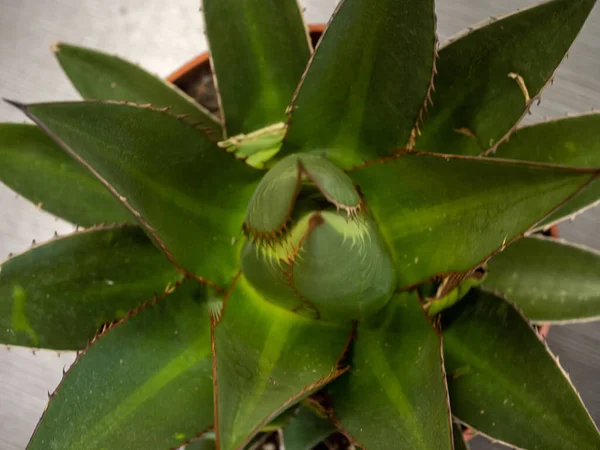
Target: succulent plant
{"points": [[353, 243]]}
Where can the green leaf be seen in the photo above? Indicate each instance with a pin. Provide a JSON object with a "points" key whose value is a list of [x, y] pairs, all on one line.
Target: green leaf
{"points": [[458, 437], [307, 430], [395, 395], [572, 141], [309, 272], [202, 444], [282, 420], [145, 384], [267, 359], [549, 280], [58, 295], [189, 195], [99, 76], [504, 381], [258, 147], [478, 97], [429, 206], [273, 202], [437, 305], [368, 82], [259, 49], [39, 170]]}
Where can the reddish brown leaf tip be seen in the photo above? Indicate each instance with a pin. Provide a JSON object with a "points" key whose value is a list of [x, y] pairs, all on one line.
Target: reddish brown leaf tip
{"points": [[55, 46]]}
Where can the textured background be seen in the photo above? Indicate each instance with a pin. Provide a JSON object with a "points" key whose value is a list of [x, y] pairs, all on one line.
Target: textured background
{"points": [[161, 36]]}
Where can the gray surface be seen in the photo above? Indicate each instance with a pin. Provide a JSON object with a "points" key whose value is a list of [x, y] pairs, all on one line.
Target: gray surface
{"points": [[161, 38]]}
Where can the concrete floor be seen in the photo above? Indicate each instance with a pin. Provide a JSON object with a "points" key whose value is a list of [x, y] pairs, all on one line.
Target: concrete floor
{"points": [[162, 38]]}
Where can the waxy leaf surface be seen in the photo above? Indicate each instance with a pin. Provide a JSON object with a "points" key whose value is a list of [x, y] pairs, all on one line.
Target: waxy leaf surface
{"points": [[100, 76], [145, 384], [549, 280], [367, 83], [571, 141], [188, 194], [394, 397], [504, 381], [58, 295], [479, 92], [39, 170], [266, 359], [443, 214], [259, 50]]}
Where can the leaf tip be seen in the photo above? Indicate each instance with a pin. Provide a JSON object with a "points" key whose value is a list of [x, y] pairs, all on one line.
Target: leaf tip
{"points": [[16, 104], [55, 46]]}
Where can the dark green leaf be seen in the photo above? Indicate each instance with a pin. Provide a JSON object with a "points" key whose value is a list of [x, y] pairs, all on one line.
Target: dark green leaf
{"points": [[549, 280], [367, 83], [395, 395], [445, 214], [39, 170], [458, 437], [202, 444], [145, 384], [478, 99], [99, 76], [59, 294], [259, 50], [505, 383], [573, 141], [282, 420], [189, 194], [267, 359], [306, 430]]}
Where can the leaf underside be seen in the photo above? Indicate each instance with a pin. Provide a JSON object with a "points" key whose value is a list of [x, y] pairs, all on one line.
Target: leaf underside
{"points": [[267, 359], [504, 381], [375, 92], [39, 170], [478, 99], [189, 195], [571, 141], [394, 397], [57, 295], [549, 280], [428, 206], [259, 49], [146, 383], [100, 76]]}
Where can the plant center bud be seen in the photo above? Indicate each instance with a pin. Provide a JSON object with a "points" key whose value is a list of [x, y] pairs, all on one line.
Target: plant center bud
{"points": [[311, 248]]}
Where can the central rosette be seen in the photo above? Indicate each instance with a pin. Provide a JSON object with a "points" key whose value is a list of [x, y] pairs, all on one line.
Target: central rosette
{"points": [[312, 248]]}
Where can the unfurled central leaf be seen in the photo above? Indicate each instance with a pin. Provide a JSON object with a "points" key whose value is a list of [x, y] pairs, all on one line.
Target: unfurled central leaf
{"points": [[312, 249]]}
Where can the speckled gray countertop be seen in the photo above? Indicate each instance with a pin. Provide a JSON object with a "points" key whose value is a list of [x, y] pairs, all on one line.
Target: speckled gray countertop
{"points": [[163, 35]]}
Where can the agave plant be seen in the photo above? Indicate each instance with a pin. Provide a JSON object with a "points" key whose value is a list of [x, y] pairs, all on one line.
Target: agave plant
{"points": [[353, 244]]}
